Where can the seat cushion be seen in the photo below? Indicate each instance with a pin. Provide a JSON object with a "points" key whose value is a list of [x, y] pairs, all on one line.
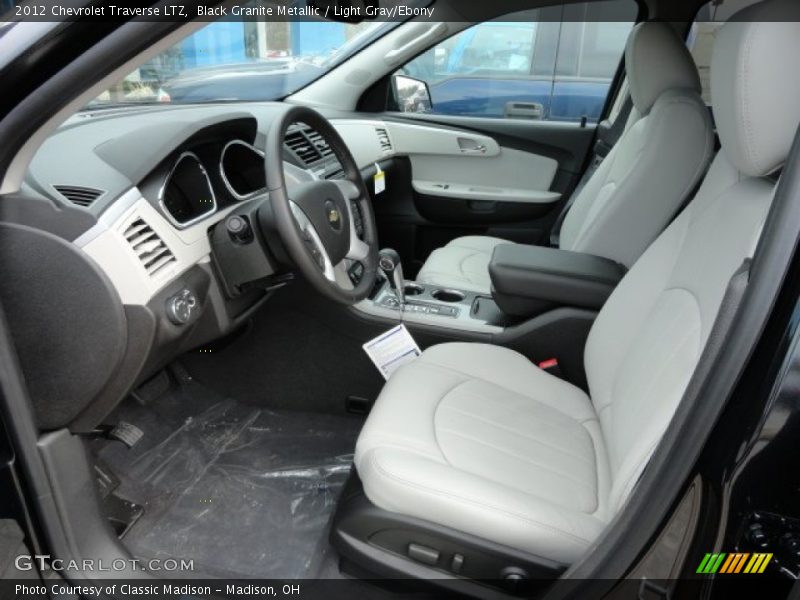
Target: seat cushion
{"points": [[476, 438], [462, 264]]}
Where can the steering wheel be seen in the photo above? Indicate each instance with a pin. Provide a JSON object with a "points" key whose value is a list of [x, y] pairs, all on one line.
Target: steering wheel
{"points": [[316, 220]]}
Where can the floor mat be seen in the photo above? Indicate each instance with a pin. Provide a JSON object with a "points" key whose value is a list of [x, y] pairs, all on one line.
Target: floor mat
{"points": [[242, 491]]}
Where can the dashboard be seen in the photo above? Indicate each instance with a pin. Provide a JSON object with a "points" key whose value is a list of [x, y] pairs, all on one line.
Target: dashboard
{"points": [[143, 201], [157, 180], [156, 187], [232, 170]]}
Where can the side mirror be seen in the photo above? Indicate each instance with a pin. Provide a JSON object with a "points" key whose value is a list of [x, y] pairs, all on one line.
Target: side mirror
{"points": [[412, 95]]}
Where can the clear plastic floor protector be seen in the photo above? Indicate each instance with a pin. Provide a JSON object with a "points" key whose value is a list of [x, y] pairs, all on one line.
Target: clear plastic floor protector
{"points": [[243, 492]]}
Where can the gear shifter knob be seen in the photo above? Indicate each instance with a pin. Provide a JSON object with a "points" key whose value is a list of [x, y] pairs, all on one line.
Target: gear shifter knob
{"points": [[389, 262]]}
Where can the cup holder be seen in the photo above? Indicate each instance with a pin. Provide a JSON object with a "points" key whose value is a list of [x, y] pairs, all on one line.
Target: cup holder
{"points": [[412, 289], [448, 295]]}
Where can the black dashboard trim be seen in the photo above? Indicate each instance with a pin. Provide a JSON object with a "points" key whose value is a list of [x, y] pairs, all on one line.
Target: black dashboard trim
{"points": [[138, 152]]}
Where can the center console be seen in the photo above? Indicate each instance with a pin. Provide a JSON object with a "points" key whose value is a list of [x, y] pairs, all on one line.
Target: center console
{"points": [[542, 304], [428, 305], [433, 305], [527, 282]]}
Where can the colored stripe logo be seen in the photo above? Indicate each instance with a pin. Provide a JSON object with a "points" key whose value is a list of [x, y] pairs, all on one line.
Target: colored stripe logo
{"points": [[737, 562]]}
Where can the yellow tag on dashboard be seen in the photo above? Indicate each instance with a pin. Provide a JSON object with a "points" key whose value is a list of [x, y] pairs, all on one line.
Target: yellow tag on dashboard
{"points": [[380, 180]]}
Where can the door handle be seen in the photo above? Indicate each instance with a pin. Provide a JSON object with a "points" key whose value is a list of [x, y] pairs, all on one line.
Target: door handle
{"points": [[470, 146], [524, 110], [475, 150]]}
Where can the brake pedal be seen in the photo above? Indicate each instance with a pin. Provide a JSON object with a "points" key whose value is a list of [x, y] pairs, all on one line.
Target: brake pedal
{"points": [[127, 433]]}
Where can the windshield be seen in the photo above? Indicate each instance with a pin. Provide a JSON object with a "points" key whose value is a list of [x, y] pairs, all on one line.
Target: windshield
{"points": [[229, 61]]}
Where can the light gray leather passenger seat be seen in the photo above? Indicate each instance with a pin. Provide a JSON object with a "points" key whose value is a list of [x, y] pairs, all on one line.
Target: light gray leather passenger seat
{"points": [[641, 184]]}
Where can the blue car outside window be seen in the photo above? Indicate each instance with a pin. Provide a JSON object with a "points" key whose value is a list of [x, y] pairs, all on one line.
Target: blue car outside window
{"points": [[526, 68]]}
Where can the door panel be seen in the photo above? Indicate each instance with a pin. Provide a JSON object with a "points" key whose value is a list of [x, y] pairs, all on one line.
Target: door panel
{"points": [[459, 164], [566, 143], [510, 176], [514, 189]]}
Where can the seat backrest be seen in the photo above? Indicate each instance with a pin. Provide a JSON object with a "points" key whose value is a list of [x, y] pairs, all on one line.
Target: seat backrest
{"points": [[658, 160], [647, 340]]}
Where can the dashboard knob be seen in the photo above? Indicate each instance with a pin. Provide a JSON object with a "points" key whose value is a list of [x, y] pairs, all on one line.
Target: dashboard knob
{"points": [[180, 307], [239, 229]]}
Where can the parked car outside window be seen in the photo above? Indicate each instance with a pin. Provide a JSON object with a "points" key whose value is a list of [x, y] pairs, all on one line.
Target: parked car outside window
{"points": [[554, 64]]}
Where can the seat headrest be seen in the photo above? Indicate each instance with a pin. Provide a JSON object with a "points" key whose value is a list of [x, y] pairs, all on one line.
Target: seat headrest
{"points": [[657, 60], [755, 85]]}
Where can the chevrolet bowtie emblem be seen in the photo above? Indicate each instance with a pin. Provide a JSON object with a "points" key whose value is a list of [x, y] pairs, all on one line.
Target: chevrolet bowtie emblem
{"points": [[333, 215]]}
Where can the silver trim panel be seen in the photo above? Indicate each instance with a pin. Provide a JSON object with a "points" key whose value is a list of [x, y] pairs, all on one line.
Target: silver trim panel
{"points": [[200, 217], [224, 176]]}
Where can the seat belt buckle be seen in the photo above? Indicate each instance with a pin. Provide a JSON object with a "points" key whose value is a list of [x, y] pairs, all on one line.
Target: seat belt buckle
{"points": [[550, 366]]}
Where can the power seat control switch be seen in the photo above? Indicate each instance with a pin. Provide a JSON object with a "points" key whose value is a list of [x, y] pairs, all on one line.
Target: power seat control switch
{"points": [[423, 554], [181, 307]]}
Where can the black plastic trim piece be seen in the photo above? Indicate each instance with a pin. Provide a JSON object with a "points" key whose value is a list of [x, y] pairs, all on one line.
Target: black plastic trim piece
{"points": [[64, 220], [66, 318], [395, 546], [141, 333], [528, 279]]}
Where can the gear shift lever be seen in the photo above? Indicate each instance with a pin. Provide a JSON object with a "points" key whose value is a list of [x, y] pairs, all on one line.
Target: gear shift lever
{"points": [[389, 262]]}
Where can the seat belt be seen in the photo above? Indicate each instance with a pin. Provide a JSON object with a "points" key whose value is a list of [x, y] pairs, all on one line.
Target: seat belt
{"points": [[608, 135]]}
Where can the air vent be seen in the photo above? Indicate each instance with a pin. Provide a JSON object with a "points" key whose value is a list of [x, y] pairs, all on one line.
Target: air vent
{"points": [[150, 248], [383, 138], [82, 196], [298, 142], [319, 143]]}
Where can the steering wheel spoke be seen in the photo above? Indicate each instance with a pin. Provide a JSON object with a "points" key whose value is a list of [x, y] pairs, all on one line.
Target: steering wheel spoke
{"points": [[359, 250], [349, 189], [314, 243]]}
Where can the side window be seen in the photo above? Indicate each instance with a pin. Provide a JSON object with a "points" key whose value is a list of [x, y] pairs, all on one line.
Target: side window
{"points": [[494, 48], [553, 63]]}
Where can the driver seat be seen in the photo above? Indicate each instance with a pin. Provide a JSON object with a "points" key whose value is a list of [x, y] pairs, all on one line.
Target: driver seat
{"points": [[476, 439]]}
